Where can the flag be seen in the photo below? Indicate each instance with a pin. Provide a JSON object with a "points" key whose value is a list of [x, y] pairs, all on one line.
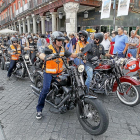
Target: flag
{"points": [[123, 7], [105, 12]]}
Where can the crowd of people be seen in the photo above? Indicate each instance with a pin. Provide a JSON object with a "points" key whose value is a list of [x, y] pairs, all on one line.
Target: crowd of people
{"points": [[72, 46]]}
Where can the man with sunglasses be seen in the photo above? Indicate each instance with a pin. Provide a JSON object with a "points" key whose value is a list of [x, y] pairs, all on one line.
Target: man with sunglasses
{"points": [[14, 51], [52, 67], [92, 50]]}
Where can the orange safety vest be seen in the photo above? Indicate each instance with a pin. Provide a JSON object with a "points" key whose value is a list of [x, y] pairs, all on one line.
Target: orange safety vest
{"points": [[55, 66], [80, 45], [15, 56]]}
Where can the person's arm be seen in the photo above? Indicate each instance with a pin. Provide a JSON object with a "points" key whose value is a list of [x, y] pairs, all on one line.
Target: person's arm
{"points": [[127, 44], [136, 30], [109, 38], [109, 49], [125, 49], [137, 55], [77, 48]]}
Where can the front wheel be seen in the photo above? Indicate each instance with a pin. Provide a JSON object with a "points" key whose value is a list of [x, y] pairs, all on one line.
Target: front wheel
{"points": [[2, 63], [130, 95], [93, 116]]}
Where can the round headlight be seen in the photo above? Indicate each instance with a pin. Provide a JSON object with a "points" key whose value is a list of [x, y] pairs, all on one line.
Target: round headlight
{"points": [[81, 68], [18, 65], [26, 56]]}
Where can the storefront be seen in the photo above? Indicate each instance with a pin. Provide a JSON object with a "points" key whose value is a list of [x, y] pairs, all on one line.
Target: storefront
{"points": [[93, 22]]}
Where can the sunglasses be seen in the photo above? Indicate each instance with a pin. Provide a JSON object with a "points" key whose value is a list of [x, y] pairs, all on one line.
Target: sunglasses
{"points": [[96, 39]]}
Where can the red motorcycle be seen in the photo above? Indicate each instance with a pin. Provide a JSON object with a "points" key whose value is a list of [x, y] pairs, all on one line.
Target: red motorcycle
{"points": [[109, 77]]}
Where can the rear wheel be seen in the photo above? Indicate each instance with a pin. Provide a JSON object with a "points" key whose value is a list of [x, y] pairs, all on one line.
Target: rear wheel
{"points": [[93, 116], [130, 95]]}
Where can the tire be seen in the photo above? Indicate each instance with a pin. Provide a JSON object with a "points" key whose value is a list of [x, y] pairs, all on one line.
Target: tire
{"points": [[101, 111], [133, 91], [39, 82], [2, 63]]}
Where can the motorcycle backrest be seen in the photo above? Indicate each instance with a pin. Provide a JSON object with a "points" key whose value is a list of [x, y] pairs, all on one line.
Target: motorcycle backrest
{"points": [[94, 58]]}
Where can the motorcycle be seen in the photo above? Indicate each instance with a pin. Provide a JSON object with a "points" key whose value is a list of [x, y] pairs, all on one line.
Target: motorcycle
{"points": [[5, 58], [69, 91], [24, 67], [109, 77]]}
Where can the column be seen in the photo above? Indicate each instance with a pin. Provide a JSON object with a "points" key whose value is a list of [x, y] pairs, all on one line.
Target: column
{"points": [[71, 9], [24, 28], [19, 26], [34, 23], [54, 21], [15, 26], [57, 23], [28, 24], [43, 24]]}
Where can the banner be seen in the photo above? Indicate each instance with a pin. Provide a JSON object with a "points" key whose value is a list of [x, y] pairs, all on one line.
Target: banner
{"points": [[123, 7], [105, 13]]}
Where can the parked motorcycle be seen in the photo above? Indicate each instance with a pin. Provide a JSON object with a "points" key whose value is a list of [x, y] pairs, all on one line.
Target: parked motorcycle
{"points": [[109, 77], [69, 91]]}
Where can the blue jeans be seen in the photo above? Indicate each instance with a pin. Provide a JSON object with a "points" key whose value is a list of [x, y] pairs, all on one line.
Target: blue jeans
{"points": [[133, 52], [46, 87], [89, 71], [77, 61], [12, 65]]}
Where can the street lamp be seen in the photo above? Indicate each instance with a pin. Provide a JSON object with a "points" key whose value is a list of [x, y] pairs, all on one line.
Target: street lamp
{"points": [[86, 14], [48, 18], [60, 15]]}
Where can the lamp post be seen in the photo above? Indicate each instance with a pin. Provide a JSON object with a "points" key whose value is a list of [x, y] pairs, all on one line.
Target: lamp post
{"points": [[114, 17]]}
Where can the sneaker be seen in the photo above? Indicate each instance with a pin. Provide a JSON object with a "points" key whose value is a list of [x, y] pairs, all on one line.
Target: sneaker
{"points": [[8, 78], [38, 115]]}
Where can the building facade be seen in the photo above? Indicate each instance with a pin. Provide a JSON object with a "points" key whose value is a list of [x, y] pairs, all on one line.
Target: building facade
{"points": [[63, 15]]}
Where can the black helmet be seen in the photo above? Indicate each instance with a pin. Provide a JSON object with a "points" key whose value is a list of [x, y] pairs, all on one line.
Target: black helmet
{"points": [[99, 36], [14, 39], [57, 36], [83, 33], [42, 35], [29, 36], [35, 37]]}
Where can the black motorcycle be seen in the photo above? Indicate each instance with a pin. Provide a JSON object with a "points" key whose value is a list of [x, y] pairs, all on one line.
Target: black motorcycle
{"points": [[24, 67], [69, 91]]}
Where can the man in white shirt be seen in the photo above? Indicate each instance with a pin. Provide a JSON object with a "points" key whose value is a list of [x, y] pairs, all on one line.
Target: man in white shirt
{"points": [[106, 44]]}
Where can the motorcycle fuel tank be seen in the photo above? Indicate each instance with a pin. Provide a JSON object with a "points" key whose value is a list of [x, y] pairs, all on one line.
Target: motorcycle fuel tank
{"points": [[103, 67]]}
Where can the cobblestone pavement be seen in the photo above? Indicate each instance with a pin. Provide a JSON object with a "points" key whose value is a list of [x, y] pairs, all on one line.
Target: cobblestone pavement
{"points": [[17, 114]]}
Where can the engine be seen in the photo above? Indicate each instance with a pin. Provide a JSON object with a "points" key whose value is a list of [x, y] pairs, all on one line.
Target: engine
{"points": [[99, 80]]}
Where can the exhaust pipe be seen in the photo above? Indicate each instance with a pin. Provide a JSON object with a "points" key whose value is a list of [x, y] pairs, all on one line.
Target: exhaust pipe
{"points": [[35, 89]]}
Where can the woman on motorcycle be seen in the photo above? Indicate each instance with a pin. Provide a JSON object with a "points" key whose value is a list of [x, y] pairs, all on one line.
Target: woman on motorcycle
{"points": [[14, 51], [83, 36], [30, 42]]}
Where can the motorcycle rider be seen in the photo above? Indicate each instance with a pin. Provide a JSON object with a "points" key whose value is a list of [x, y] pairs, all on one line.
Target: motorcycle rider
{"points": [[52, 67], [14, 48], [1, 46], [93, 50], [30, 42], [83, 36], [5, 42]]}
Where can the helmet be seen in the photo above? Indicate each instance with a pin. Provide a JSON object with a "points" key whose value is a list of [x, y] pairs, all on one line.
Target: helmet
{"points": [[35, 37], [99, 36], [57, 36], [42, 35], [14, 39], [83, 33], [129, 55], [29, 36]]}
